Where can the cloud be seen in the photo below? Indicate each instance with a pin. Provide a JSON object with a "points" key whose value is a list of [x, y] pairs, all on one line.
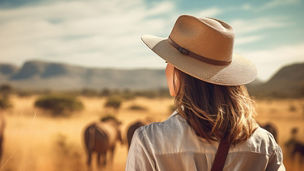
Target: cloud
{"points": [[245, 26], [209, 12], [276, 3], [254, 29], [161, 8], [247, 39], [246, 7], [268, 5], [92, 33], [270, 60]]}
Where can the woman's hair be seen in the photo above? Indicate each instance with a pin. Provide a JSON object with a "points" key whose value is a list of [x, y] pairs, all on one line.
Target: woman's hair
{"points": [[215, 111]]}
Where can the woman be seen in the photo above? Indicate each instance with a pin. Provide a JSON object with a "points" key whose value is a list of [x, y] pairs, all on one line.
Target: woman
{"points": [[213, 127]]}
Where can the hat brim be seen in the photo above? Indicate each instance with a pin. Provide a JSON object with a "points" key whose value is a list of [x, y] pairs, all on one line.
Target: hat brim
{"points": [[239, 72]]}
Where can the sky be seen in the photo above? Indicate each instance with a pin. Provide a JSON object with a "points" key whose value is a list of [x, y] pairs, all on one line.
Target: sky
{"points": [[106, 33]]}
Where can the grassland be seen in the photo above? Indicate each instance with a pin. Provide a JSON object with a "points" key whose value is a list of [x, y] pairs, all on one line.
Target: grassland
{"points": [[35, 141]]}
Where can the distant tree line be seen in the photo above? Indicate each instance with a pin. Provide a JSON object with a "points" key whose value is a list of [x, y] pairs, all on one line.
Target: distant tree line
{"points": [[125, 94]]}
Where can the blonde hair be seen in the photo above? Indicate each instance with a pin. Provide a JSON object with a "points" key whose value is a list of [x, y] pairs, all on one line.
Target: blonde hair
{"points": [[215, 111]]}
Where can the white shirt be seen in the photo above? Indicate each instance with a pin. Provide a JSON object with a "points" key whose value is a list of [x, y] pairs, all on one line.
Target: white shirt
{"points": [[172, 145]]}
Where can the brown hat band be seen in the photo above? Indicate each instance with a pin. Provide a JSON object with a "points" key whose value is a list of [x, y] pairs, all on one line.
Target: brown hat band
{"points": [[196, 56]]}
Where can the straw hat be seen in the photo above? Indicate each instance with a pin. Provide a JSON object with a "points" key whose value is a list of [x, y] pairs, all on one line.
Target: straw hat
{"points": [[203, 48]]}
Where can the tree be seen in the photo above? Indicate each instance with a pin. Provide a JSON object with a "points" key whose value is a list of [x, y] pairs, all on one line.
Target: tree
{"points": [[113, 102], [59, 104]]}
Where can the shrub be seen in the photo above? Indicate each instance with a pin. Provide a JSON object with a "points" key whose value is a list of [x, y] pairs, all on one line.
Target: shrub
{"points": [[108, 117], [153, 93], [137, 107], [113, 102], [6, 89], [5, 103], [292, 108], [23, 93], [105, 92], [89, 92], [59, 104], [127, 95]]}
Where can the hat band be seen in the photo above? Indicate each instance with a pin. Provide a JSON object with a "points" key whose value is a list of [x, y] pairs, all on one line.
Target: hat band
{"points": [[196, 56]]}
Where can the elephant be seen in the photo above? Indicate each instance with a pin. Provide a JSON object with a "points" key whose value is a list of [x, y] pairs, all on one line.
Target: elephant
{"points": [[101, 137]]}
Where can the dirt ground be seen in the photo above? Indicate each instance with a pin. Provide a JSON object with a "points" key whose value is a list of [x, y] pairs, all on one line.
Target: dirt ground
{"points": [[35, 141]]}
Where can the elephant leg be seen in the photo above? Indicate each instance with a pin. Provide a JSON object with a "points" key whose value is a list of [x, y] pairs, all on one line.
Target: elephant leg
{"points": [[112, 150], [104, 159], [1, 147], [98, 159], [89, 159]]}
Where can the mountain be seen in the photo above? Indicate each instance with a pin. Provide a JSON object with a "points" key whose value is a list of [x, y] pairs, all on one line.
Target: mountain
{"points": [[7, 69], [287, 82], [254, 87], [39, 75]]}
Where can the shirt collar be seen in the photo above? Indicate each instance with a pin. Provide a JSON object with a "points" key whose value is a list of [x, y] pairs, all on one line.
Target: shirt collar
{"points": [[174, 113]]}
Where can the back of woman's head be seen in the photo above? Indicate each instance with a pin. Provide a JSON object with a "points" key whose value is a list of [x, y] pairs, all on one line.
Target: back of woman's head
{"points": [[215, 111]]}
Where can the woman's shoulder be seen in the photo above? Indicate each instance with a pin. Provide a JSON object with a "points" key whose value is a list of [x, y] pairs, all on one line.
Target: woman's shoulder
{"points": [[179, 136], [261, 141], [173, 130], [174, 123], [262, 133], [264, 137]]}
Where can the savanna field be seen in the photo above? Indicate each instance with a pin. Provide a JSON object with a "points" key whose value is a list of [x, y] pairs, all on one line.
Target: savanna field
{"points": [[37, 141]]}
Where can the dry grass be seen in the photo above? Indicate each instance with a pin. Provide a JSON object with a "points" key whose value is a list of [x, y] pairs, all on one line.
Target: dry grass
{"points": [[35, 141]]}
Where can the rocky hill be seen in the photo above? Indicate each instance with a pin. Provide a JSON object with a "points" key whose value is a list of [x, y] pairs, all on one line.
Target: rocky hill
{"points": [[287, 82], [38, 75]]}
